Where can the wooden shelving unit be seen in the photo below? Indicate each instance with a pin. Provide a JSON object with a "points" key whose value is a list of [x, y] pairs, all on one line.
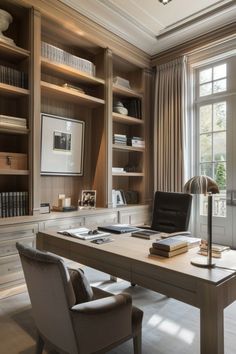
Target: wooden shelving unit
{"points": [[121, 118], [12, 91], [13, 53], [68, 73], [14, 172], [125, 92], [128, 174], [127, 148]]}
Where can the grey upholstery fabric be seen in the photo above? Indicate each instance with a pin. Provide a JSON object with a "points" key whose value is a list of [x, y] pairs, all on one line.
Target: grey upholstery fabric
{"points": [[82, 289], [96, 325]]}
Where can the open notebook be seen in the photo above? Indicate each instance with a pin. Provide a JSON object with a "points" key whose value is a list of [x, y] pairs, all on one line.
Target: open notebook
{"points": [[84, 234]]}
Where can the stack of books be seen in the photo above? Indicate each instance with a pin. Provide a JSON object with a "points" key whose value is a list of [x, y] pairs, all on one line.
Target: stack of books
{"points": [[136, 141], [118, 170], [60, 56], [217, 250], [121, 81], [168, 247], [12, 122], [120, 139]]}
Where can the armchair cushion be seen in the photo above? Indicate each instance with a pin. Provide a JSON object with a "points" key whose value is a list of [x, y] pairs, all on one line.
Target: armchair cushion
{"points": [[82, 289]]}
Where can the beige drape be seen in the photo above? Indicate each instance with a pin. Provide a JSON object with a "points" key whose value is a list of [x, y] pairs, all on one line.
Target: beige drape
{"points": [[169, 126]]}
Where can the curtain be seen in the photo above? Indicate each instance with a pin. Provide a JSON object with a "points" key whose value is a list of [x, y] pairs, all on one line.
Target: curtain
{"points": [[169, 126]]}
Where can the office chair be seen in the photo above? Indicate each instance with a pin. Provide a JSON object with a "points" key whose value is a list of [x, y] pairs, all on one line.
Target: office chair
{"points": [[171, 212], [72, 317]]}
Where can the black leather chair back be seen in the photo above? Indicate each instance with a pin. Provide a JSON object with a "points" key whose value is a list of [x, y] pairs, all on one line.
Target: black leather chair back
{"points": [[171, 211]]}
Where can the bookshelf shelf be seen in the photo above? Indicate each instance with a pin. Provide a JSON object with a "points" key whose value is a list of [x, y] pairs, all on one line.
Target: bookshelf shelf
{"points": [[128, 174], [13, 91], [127, 148], [14, 172], [58, 92], [125, 92], [14, 130], [68, 73], [13, 53], [120, 118]]}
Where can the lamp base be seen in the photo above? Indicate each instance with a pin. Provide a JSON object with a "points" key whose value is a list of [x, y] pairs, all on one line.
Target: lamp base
{"points": [[202, 262]]}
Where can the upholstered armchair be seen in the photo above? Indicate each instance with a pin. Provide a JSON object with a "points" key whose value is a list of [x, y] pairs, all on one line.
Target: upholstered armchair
{"points": [[72, 317]]}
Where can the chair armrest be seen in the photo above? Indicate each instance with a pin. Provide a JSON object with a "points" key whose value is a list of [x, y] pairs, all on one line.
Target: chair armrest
{"points": [[99, 323], [103, 305]]}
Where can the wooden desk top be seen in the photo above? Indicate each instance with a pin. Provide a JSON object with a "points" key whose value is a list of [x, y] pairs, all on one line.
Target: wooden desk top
{"points": [[135, 252]]}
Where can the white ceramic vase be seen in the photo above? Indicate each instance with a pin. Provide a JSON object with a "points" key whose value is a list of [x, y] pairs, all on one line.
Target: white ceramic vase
{"points": [[5, 20]]}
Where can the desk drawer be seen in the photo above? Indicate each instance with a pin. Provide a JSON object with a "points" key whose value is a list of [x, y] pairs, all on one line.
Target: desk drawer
{"points": [[10, 269], [99, 220], [18, 232], [8, 248]]}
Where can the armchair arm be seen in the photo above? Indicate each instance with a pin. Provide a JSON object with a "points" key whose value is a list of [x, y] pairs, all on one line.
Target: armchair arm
{"points": [[100, 323]]}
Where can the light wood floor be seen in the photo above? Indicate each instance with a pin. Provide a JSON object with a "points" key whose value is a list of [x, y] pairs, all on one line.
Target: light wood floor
{"points": [[169, 326]]}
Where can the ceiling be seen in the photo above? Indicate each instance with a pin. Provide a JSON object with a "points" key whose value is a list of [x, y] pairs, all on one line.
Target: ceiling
{"points": [[154, 27]]}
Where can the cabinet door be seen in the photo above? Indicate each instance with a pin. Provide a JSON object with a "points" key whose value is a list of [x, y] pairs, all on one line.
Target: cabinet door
{"points": [[135, 216], [61, 224], [103, 219]]}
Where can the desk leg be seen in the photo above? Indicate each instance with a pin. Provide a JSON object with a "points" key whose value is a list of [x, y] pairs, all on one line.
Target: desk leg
{"points": [[211, 321]]}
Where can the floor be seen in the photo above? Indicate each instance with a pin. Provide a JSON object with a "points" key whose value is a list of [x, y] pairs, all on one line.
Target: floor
{"points": [[169, 326]]}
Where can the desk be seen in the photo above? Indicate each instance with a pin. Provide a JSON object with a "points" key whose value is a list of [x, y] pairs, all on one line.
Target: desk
{"points": [[210, 290]]}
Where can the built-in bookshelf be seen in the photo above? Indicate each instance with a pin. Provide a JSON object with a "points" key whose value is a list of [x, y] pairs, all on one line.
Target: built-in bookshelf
{"points": [[15, 108]]}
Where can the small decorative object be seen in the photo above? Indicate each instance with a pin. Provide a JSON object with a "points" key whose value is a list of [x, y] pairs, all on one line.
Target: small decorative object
{"points": [[88, 199], [5, 20], [121, 81], [207, 186], [165, 2], [119, 108], [62, 146], [120, 198], [44, 208]]}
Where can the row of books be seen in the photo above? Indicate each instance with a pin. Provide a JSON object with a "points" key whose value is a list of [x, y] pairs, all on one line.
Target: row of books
{"points": [[13, 77], [13, 204], [134, 107], [120, 139], [60, 56], [12, 122]]}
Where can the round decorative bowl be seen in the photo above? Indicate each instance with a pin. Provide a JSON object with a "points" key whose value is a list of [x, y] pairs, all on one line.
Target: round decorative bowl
{"points": [[5, 20]]}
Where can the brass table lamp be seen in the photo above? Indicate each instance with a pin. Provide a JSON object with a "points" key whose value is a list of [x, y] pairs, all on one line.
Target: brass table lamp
{"points": [[207, 186]]}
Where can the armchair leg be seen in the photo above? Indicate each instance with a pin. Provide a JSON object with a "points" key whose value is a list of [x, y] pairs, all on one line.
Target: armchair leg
{"points": [[137, 342], [39, 345]]}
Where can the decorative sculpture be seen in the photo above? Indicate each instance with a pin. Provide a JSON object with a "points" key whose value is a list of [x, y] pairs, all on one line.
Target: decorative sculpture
{"points": [[5, 20]]}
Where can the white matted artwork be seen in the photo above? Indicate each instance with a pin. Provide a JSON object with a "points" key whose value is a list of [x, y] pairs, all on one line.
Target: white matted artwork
{"points": [[62, 146]]}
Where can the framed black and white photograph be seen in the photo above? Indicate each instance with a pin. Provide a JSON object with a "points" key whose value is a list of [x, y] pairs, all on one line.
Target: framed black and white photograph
{"points": [[88, 199], [62, 146]]}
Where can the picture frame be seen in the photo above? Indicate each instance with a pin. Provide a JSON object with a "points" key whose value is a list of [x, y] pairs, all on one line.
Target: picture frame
{"points": [[62, 146], [88, 199], [120, 198]]}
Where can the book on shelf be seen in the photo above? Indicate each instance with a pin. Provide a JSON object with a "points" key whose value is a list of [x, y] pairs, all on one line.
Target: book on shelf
{"points": [[146, 234], [13, 77], [121, 82], [118, 170], [167, 254], [84, 233], [169, 244], [13, 204]]}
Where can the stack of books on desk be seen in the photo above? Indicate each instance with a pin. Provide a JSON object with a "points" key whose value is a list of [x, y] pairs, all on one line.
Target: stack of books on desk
{"points": [[168, 247], [217, 250]]}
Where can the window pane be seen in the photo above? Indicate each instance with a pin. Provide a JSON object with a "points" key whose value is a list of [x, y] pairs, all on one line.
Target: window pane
{"points": [[205, 89], [219, 86], [206, 169], [220, 175], [219, 204], [205, 147], [219, 112], [205, 75], [205, 118], [219, 71], [219, 146]]}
